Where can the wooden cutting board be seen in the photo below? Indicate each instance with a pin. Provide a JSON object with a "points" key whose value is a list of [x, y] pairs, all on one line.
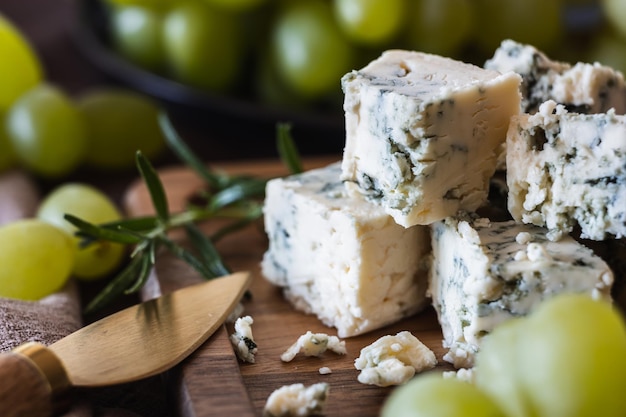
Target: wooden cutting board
{"points": [[212, 382]]}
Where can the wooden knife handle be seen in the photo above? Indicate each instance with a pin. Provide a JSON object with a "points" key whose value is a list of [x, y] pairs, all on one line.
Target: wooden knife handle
{"points": [[31, 376]]}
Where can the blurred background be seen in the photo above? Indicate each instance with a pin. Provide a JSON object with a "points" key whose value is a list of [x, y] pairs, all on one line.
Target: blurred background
{"points": [[228, 70]]}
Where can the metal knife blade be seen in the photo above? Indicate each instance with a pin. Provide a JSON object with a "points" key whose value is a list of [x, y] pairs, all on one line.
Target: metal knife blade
{"points": [[132, 344]]}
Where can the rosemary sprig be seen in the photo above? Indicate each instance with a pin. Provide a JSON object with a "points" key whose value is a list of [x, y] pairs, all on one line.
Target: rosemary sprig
{"points": [[237, 199], [287, 148]]}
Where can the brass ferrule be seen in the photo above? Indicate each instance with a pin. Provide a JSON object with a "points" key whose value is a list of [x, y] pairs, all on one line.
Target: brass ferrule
{"points": [[49, 364]]}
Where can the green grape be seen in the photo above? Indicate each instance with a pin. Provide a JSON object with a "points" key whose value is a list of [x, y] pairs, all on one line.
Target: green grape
{"points": [[236, 5], [119, 123], [88, 203], [7, 154], [136, 33], [20, 69], [271, 89], [498, 364], [535, 22], [615, 13], [439, 26], [371, 22], [310, 52], [36, 259], [203, 46], [150, 4], [431, 395], [47, 131], [564, 360]]}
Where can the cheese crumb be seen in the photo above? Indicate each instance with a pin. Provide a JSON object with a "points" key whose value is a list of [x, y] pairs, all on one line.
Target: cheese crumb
{"points": [[325, 370], [393, 360], [463, 374], [296, 400], [536, 252], [242, 339], [523, 238], [314, 344]]}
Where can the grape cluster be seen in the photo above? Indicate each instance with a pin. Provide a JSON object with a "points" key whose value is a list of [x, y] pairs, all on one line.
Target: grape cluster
{"points": [[295, 52], [51, 134], [40, 254], [566, 359]]}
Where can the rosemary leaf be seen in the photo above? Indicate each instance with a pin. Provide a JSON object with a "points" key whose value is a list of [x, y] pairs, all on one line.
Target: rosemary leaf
{"points": [[155, 186], [185, 154], [238, 191], [152, 249], [116, 287], [137, 224], [147, 261], [245, 209], [206, 249], [287, 149], [91, 232], [188, 257]]}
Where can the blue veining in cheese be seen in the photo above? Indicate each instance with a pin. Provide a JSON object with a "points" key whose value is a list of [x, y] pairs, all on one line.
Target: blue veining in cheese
{"points": [[423, 133], [567, 169], [485, 273], [583, 87], [339, 256]]}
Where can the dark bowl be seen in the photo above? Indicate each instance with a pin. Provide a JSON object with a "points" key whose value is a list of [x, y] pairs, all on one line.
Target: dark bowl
{"points": [[242, 117]]}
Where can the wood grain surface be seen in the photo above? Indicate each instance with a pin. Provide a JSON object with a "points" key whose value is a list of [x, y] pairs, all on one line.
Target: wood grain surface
{"points": [[212, 382]]}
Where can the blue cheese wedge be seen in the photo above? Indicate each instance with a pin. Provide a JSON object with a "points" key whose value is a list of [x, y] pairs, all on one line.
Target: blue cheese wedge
{"points": [[583, 87], [485, 273], [568, 170], [340, 257], [314, 344], [393, 360], [423, 133], [297, 400]]}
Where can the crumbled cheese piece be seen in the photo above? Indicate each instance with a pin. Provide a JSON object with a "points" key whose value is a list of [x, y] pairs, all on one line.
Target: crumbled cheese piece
{"points": [[523, 238], [242, 339], [314, 344], [393, 360], [296, 400], [464, 374], [325, 370]]}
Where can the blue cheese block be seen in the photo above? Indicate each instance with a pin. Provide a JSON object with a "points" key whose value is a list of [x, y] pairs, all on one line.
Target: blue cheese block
{"points": [[567, 170], [583, 87], [485, 273], [423, 133], [340, 257]]}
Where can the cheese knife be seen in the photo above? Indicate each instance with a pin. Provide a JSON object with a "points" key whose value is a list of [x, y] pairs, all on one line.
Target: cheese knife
{"points": [[132, 344]]}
